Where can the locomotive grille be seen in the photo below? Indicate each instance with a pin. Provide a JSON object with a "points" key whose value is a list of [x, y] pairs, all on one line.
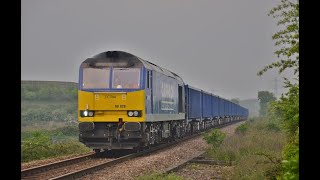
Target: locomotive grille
{"points": [[132, 126]]}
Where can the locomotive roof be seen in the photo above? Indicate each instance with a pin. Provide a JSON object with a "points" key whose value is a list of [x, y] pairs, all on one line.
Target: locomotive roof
{"points": [[111, 56]]}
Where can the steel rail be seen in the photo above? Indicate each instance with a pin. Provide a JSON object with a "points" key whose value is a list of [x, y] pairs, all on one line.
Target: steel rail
{"points": [[38, 169]]}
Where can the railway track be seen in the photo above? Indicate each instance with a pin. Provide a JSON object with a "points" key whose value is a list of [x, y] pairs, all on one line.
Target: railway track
{"points": [[198, 159], [30, 173], [91, 163]]}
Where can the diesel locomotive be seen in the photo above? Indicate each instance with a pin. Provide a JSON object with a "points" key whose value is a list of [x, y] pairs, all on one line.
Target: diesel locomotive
{"points": [[125, 102]]}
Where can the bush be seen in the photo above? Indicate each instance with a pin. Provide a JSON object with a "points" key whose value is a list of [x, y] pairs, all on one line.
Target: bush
{"points": [[290, 163], [251, 120], [241, 129], [286, 110], [215, 137], [255, 153], [273, 127], [42, 144]]}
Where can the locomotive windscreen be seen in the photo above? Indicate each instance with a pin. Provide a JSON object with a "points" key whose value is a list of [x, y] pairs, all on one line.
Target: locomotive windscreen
{"points": [[95, 78], [99, 78], [113, 71], [126, 78]]}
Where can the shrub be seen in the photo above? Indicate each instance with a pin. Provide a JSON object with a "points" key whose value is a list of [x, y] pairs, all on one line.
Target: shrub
{"points": [[242, 128], [42, 144], [251, 120], [290, 163], [286, 110], [255, 153], [273, 127], [215, 137]]}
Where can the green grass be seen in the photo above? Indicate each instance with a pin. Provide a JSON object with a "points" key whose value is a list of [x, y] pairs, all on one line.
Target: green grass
{"points": [[255, 150], [242, 129], [159, 176], [48, 122], [43, 144], [49, 91], [48, 102], [47, 114]]}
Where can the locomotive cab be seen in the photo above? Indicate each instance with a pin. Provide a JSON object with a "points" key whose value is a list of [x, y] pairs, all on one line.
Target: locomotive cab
{"points": [[111, 101]]}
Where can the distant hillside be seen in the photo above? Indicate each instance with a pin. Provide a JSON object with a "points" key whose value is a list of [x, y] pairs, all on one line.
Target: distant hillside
{"points": [[46, 103], [252, 105], [48, 90]]}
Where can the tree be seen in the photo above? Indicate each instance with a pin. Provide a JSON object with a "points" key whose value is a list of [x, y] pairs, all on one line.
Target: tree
{"points": [[287, 107], [235, 100], [265, 97], [287, 39]]}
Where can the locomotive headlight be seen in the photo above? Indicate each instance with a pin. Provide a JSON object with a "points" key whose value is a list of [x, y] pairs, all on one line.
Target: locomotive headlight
{"points": [[130, 113], [135, 113], [86, 113]]}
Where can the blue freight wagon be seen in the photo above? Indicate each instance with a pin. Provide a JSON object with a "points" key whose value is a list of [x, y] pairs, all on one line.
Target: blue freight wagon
{"points": [[206, 105], [221, 108], [215, 106], [193, 102]]}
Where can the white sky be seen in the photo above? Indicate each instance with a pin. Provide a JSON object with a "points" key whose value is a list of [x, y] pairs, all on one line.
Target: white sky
{"points": [[215, 45]]}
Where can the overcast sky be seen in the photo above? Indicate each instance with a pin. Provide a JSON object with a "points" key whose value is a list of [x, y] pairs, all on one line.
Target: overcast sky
{"points": [[215, 45]]}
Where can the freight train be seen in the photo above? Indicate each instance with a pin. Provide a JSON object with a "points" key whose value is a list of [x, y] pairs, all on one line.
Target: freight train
{"points": [[125, 102]]}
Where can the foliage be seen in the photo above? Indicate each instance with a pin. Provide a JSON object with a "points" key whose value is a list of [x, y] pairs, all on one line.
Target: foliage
{"points": [[43, 144], [159, 176], [46, 114], [67, 131], [251, 120], [287, 110], [45, 111], [241, 129], [290, 164], [48, 92], [265, 97], [273, 127], [47, 103], [36, 113], [215, 137], [255, 153], [288, 38]]}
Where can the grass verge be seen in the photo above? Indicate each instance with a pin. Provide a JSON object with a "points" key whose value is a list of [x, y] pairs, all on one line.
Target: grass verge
{"points": [[43, 144], [255, 150], [159, 176]]}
